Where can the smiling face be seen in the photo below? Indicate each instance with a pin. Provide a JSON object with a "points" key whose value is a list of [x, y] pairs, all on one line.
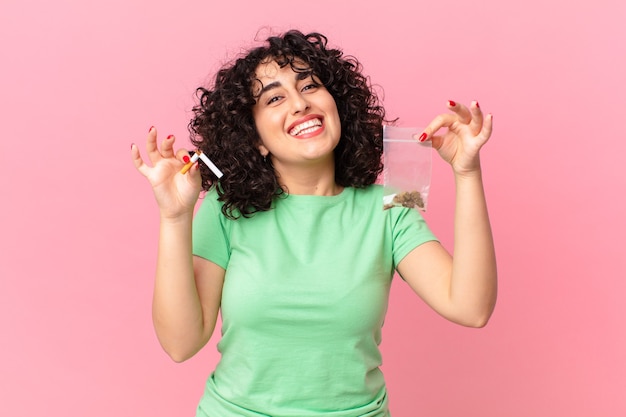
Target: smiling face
{"points": [[295, 116]]}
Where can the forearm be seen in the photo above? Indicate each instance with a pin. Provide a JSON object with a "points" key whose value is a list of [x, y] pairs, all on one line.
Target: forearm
{"points": [[176, 307], [474, 275]]}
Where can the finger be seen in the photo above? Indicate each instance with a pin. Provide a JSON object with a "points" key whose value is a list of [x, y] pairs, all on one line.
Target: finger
{"points": [[167, 147], [485, 132], [442, 120], [437, 141], [184, 155], [187, 159], [138, 161], [151, 146], [476, 124], [462, 111], [193, 173]]}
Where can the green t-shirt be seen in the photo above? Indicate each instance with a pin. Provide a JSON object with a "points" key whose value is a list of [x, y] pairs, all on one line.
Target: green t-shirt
{"points": [[304, 299]]}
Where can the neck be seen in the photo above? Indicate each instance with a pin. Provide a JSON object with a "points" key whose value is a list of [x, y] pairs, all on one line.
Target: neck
{"points": [[309, 181]]}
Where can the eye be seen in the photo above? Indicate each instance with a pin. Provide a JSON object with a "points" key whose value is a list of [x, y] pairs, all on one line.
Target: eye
{"points": [[310, 86], [273, 99]]}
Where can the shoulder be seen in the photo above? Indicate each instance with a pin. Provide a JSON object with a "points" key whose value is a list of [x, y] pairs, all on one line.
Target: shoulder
{"points": [[209, 214], [370, 190], [372, 194], [209, 202]]}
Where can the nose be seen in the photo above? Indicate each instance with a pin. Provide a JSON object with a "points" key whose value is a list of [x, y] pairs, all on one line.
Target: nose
{"points": [[299, 104]]}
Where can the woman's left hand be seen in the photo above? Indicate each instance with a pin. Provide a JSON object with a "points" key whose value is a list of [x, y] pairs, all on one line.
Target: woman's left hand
{"points": [[467, 131]]}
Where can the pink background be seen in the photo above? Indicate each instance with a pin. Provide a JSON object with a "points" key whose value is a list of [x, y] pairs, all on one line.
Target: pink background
{"points": [[81, 80]]}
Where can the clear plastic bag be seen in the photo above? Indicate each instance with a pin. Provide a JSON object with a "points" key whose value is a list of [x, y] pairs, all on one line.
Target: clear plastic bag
{"points": [[407, 168]]}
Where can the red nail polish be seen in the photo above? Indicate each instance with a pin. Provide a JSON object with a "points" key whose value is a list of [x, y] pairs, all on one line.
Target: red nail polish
{"points": [[150, 130], [170, 136], [186, 159], [477, 105], [423, 137], [451, 103]]}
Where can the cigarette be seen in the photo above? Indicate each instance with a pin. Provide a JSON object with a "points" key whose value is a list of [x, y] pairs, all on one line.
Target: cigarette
{"points": [[189, 164], [206, 160], [211, 165]]}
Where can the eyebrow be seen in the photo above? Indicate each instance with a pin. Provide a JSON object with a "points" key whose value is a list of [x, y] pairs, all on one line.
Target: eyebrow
{"points": [[299, 77]]}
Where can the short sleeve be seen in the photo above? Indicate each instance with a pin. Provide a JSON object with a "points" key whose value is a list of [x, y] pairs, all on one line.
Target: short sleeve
{"points": [[210, 232], [409, 230]]}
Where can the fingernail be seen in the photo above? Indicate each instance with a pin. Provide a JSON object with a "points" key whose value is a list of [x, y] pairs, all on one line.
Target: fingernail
{"points": [[170, 136], [423, 137], [150, 130], [186, 159], [131, 145], [477, 105], [451, 103]]}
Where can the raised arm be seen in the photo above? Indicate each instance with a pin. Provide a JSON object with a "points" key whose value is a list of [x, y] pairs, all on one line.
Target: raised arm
{"points": [[462, 287], [187, 290]]}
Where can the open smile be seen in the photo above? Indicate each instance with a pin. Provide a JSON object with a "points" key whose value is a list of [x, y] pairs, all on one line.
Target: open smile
{"points": [[310, 125]]}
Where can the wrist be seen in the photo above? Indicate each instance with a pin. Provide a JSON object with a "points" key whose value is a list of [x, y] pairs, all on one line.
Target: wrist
{"points": [[176, 218], [471, 175]]}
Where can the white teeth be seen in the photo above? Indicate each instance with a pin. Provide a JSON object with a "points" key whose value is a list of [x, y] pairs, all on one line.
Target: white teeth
{"points": [[306, 127]]}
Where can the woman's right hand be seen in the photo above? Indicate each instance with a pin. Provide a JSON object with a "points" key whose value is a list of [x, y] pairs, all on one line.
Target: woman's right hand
{"points": [[176, 193]]}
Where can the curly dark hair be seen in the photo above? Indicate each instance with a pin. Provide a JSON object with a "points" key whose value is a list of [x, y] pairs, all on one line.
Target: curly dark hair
{"points": [[223, 126]]}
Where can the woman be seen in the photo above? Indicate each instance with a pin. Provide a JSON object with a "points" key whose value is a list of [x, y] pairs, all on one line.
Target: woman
{"points": [[292, 244]]}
